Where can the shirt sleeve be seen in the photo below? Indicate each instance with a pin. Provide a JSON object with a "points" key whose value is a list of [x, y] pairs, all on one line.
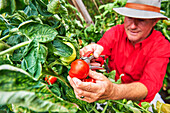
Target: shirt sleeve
{"points": [[104, 42], [108, 40], [155, 69], [153, 76]]}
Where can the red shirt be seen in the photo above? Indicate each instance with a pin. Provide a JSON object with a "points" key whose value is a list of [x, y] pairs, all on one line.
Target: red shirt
{"points": [[146, 62]]}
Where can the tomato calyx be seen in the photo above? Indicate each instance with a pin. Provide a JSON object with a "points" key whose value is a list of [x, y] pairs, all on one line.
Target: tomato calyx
{"points": [[50, 79]]}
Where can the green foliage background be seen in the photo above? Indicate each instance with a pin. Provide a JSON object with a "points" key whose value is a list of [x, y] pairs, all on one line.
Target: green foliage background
{"points": [[32, 36]]}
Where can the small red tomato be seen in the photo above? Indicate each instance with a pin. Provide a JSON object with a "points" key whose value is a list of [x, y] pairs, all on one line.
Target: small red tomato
{"points": [[79, 69], [89, 80], [50, 79]]}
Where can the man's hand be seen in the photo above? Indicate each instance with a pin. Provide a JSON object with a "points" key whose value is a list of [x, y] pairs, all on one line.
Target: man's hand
{"points": [[95, 48], [102, 89]]}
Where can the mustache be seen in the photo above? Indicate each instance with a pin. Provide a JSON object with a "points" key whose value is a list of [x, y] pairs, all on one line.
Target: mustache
{"points": [[133, 30]]}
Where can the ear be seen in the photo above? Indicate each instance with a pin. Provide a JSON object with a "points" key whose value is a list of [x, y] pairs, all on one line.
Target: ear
{"points": [[156, 20]]}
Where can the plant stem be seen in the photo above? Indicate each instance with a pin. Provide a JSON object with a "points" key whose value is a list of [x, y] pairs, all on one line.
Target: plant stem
{"points": [[105, 108], [97, 6], [14, 48], [159, 111], [5, 37]]}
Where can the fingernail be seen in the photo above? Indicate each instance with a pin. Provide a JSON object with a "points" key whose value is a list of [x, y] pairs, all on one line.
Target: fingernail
{"points": [[96, 55]]}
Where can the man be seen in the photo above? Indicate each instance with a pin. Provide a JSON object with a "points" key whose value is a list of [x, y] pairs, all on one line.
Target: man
{"points": [[134, 49]]}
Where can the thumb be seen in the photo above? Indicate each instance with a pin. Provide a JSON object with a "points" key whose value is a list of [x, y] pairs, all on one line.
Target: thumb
{"points": [[96, 75]]}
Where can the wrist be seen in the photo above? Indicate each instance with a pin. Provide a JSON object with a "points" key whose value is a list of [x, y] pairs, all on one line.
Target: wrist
{"points": [[115, 95]]}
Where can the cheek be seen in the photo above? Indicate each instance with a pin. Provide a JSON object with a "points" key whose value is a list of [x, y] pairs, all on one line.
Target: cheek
{"points": [[146, 30], [126, 24]]}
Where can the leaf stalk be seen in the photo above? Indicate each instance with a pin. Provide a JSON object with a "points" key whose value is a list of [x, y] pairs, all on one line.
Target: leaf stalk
{"points": [[14, 47]]}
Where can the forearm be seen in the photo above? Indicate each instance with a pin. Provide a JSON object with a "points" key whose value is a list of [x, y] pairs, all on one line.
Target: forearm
{"points": [[131, 91]]}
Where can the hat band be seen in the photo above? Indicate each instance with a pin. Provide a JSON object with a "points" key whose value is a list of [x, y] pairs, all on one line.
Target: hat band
{"points": [[142, 7]]}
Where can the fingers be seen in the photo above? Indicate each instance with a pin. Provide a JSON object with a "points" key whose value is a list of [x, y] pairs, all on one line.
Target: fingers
{"points": [[88, 86], [97, 49], [95, 64], [97, 76], [88, 97], [85, 86], [86, 49], [91, 91]]}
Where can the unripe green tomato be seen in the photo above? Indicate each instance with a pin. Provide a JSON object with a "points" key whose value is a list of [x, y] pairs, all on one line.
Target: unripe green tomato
{"points": [[72, 57]]}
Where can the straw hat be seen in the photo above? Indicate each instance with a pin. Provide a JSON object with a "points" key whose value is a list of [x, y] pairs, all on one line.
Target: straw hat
{"points": [[146, 9]]}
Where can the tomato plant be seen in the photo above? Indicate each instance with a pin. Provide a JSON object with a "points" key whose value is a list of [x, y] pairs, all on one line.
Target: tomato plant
{"points": [[50, 79], [89, 80], [79, 69], [35, 37]]}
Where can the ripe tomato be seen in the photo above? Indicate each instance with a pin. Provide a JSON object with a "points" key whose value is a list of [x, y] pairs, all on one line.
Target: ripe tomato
{"points": [[50, 79], [89, 80], [79, 69]]}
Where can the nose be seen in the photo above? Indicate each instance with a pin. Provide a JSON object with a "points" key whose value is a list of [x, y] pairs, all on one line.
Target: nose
{"points": [[133, 24]]}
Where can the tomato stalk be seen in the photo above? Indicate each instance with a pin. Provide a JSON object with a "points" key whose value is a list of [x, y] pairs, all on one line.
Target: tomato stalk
{"points": [[105, 107], [14, 47], [5, 37]]}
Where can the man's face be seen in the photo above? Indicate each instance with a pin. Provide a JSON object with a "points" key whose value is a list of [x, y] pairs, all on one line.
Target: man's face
{"points": [[138, 29]]}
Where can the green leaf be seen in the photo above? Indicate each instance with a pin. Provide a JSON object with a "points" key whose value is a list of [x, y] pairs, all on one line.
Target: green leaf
{"points": [[30, 100], [34, 56], [161, 107], [4, 60], [12, 79], [61, 49], [41, 7], [41, 32], [31, 9], [3, 46], [56, 7], [7, 6], [14, 40], [3, 25], [135, 110], [111, 75], [21, 4], [145, 105], [17, 18]]}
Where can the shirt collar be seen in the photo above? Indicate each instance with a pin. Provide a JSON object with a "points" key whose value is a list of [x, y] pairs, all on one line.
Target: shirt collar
{"points": [[148, 39]]}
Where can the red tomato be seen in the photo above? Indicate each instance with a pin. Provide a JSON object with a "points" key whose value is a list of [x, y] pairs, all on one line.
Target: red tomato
{"points": [[89, 80], [79, 69], [50, 79]]}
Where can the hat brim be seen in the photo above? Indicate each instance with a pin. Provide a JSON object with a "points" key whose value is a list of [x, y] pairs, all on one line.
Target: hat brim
{"points": [[138, 13]]}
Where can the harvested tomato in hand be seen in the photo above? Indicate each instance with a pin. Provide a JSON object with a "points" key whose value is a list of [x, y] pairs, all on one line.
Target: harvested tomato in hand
{"points": [[79, 69], [50, 79], [89, 80]]}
